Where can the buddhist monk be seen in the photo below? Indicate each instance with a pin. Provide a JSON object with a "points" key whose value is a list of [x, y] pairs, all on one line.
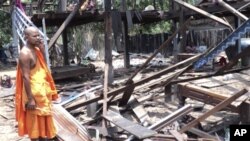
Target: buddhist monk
{"points": [[35, 91]]}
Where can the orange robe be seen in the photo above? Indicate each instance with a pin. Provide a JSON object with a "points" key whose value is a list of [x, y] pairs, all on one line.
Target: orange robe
{"points": [[39, 122]]}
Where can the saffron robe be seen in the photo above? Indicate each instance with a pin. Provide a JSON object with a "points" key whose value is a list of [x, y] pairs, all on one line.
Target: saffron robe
{"points": [[39, 122]]}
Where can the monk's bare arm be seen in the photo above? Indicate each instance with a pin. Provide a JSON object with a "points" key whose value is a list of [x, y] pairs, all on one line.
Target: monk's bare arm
{"points": [[25, 64]]}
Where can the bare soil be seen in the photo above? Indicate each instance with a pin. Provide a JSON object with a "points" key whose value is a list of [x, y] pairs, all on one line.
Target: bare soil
{"points": [[8, 124]]}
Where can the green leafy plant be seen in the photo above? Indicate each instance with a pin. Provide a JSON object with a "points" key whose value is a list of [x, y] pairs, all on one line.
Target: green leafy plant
{"points": [[5, 28]]}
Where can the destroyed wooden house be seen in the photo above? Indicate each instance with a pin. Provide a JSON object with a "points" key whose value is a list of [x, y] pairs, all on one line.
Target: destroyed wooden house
{"points": [[96, 110]]}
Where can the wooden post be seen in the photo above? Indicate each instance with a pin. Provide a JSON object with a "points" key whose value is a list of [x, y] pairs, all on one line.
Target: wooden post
{"points": [[108, 75], [182, 32], [125, 36], [125, 43], [65, 48]]}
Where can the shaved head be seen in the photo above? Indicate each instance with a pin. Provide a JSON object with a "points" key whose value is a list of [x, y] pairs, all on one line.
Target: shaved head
{"points": [[29, 30], [32, 36]]}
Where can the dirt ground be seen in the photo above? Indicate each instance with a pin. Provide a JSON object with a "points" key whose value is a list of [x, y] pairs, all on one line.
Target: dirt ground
{"points": [[8, 124]]}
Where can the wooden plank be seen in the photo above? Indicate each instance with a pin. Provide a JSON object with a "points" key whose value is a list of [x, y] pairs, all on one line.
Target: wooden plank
{"points": [[137, 130], [218, 107], [231, 9], [68, 127], [204, 13], [79, 95], [139, 110], [204, 91], [141, 113], [171, 118]]}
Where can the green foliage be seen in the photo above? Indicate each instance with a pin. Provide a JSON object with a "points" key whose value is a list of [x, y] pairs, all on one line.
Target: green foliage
{"points": [[153, 28], [5, 30]]}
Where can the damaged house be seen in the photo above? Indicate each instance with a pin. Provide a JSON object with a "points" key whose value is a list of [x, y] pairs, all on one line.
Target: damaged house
{"points": [[188, 84]]}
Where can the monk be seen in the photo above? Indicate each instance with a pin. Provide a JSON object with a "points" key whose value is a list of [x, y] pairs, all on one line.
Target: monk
{"points": [[35, 91]]}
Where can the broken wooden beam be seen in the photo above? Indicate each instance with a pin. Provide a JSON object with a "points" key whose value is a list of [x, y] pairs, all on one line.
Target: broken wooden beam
{"points": [[139, 111], [171, 118], [140, 82], [218, 107], [135, 129], [231, 9], [64, 24], [168, 119], [202, 12]]}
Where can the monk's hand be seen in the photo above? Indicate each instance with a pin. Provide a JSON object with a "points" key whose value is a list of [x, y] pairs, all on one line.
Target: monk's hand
{"points": [[31, 104]]}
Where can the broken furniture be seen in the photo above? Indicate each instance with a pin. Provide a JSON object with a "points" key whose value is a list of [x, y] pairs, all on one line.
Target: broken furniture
{"points": [[213, 90]]}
